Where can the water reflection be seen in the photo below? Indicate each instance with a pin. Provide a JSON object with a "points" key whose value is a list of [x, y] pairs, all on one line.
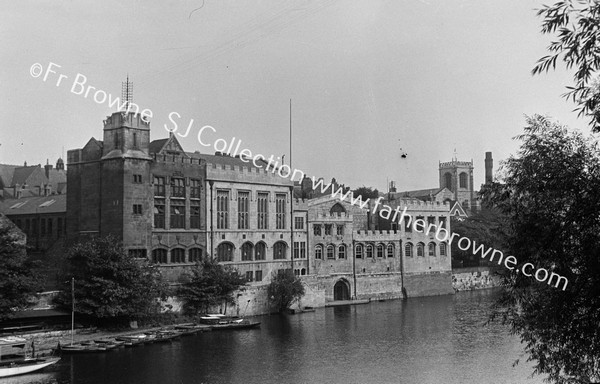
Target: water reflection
{"points": [[422, 340]]}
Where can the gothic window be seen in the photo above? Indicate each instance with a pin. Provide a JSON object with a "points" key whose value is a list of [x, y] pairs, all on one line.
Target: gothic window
{"points": [[330, 252], [280, 211], [225, 252], [260, 251], [448, 180], [342, 252], [263, 210], [222, 209], [390, 250], [317, 229], [279, 250], [337, 209], [380, 250], [462, 180], [421, 249], [359, 251], [243, 209], [431, 249], [408, 250], [369, 250], [319, 252], [328, 229], [159, 256], [442, 249], [340, 229], [178, 255], [195, 255], [247, 251]]}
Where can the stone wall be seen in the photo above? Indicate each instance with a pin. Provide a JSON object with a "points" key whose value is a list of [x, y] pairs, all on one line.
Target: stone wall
{"points": [[428, 284]]}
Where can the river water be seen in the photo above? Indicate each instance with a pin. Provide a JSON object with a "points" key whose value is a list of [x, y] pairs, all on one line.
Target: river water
{"points": [[422, 340]]}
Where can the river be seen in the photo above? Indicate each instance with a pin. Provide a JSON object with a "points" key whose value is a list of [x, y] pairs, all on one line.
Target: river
{"points": [[422, 340]]}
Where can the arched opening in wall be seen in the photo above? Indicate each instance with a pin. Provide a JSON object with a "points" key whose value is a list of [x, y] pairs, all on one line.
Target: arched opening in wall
{"points": [[337, 209], [448, 180], [341, 290]]}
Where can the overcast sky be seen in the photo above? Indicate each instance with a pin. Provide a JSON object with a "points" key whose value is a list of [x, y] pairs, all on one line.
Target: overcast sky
{"points": [[366, 78]]}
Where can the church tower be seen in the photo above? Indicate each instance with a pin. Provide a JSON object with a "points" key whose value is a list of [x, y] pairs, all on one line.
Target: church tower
{"points": [[457, 176]]}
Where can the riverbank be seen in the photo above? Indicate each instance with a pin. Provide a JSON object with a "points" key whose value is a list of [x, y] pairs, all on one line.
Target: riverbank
{"points": [[466, 279]]}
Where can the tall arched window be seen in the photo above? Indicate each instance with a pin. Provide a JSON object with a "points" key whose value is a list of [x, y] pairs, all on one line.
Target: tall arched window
{"points": [[379, 250], [462, 180], [247, 250], [195, 254], [178, 255], [319, 251], [260, 251], [279, 250], [448, 180], [442, 249], [225, 252], [431, 249], [330, 252], [420, 249], [390, 250], [342, 252], [358, 252], [369, 250], [408, 250], [159, 256]]}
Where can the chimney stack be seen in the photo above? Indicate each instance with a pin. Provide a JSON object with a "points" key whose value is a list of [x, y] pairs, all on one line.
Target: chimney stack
{"points": [[489, 165], [47, 168]]}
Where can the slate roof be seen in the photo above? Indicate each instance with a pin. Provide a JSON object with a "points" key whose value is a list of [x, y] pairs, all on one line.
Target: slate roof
{"points": [[156, 145], [33, 205]]}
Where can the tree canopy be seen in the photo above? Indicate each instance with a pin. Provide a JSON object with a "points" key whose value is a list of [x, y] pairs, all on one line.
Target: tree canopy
{"points": [[285, 288], [576, 24], [109, 284], [209, 283], [18, 279], [366, 193], [551, 201]]}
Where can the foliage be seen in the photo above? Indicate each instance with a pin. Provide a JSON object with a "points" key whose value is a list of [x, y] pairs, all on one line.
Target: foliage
{"points": [[109, 284], [18, 279], [551, 200], [285, 288], [484, 227], [577, 26], [366, 193], [209, 283]]}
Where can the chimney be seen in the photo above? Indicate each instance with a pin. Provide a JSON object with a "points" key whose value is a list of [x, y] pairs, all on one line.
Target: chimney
{"points": [[48, 168], [489, 165]]}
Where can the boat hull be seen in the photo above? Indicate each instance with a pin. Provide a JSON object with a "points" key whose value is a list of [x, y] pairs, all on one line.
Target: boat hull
{"points": [[21, 368]]}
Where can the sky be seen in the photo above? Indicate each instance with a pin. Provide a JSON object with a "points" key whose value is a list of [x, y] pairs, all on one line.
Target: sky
{"points": [[368, 80]]}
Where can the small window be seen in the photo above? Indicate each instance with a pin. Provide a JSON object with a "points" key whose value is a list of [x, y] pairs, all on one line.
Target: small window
{"points": [[303, 272], [258, 275], [296, 249], [260, 251], [359, 251], [137, 179], [442, 249], [369, 250], [390, 250], [137, 209], [431, 249], [407, 224], [159, 186], [279, 250], [408, 250], [177, 187], [342, 252], [328, 229], [249, 275], [462, 179], [225, 252], [298, 222], [420, 250], [319, 252], [159, 256], [380, 250], [303, 249], [137, 253], [330, 252], [247, 251], [340, 230]]}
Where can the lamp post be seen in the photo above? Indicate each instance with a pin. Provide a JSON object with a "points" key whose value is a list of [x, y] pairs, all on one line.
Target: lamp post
{"points": [[72, 308]]}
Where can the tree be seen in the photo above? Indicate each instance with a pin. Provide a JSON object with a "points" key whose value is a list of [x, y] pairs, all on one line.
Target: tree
{"points": [[484, 227], [18, 279], [577, 25], [209, 283], [285, 288], [551, 200], [109, 284], [366, 193]]}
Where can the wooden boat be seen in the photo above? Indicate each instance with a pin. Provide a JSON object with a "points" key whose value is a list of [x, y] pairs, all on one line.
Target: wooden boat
{"points": [[235, 323], [81, 348], [189, 329], [164, 335], [25, 365], [112, 342]]}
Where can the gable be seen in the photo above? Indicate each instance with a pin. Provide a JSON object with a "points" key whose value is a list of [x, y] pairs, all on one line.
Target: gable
{"points": [[170, 146], [457, 210]]}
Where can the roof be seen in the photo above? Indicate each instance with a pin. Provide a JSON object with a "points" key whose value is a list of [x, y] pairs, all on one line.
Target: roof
{"points": [[6, 174], [418, 194], [21, 174], [33, 205], [224, 159], [156, 145]]}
